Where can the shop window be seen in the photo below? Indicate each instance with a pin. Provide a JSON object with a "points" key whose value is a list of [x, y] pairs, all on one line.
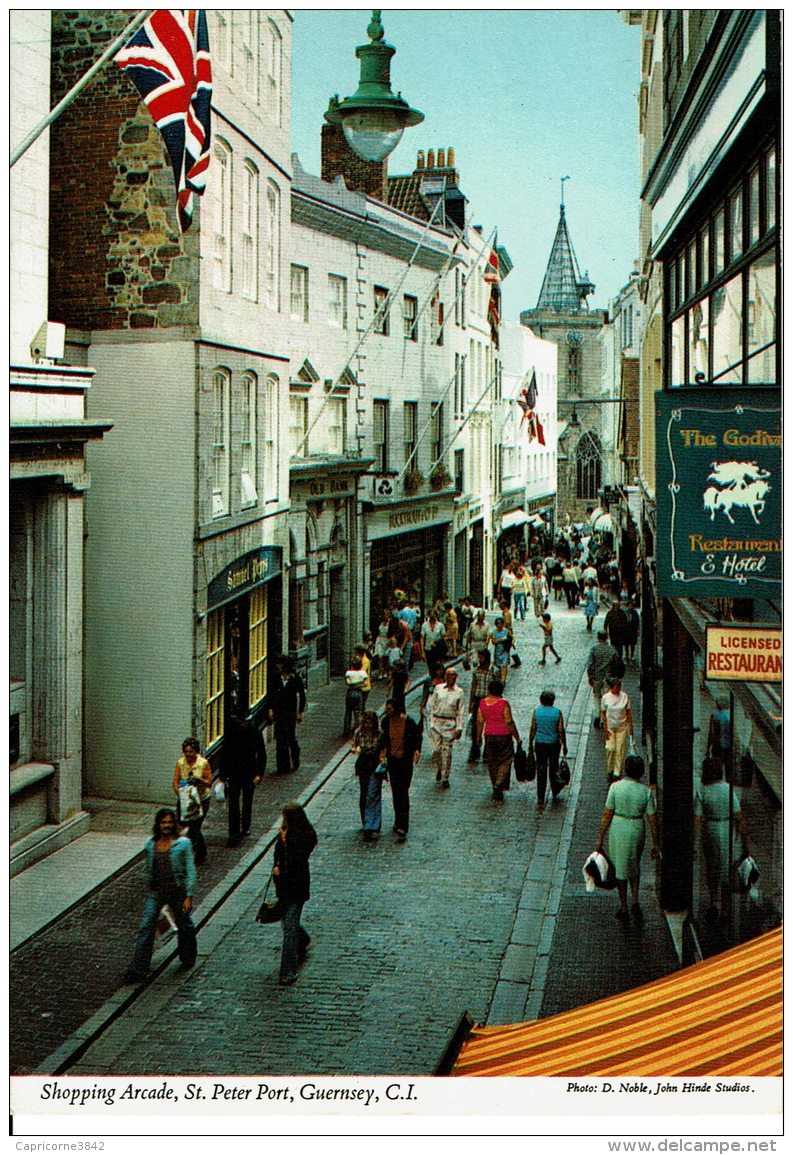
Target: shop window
{"points": [[257, 645], [298, 293], [221, 41], [736, 224], [380, 435], [381, 312], [728, 332], [698, 340], [221, 389], [588, 468], [215, 677], [248, 494], [410, 413], [761, 320], [718, 243], [704, 253], [337, 301], [329, 434], [410, 317], [770, 189]]}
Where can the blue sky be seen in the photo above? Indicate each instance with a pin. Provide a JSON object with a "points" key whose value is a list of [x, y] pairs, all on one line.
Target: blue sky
{"points": [[524, 97]]}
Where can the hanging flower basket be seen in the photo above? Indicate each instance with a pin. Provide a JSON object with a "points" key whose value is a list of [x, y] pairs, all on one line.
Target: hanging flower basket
{"points": [[414, 479], [440, 478]]}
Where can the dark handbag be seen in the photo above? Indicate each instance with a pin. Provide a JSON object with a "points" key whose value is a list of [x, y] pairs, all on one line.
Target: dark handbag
{"points": [[520, 762], [563, 772], [531, 765], [269, 911]]}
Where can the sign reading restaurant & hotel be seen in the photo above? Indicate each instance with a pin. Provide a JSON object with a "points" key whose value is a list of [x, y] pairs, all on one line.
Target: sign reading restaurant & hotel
{"points": [[719, 493], [743, 653]]}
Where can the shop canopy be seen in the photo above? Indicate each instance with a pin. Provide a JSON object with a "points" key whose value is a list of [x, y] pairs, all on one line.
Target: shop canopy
{"points": [[517, 517], [721, 1017], [604, 524]]}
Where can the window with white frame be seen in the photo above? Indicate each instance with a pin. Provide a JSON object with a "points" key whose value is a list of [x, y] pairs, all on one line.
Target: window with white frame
{"points": [[273, 70], [380, 435], [337, 301], [270, 437], [221, 397], [381, 318], [410, 412], [272, 254], [334, 425], [298, 425], [250, 50], [298, 293], [221, 182], [410, 307], [248, 407], [250, 230], [436, 432], [221, 40]]}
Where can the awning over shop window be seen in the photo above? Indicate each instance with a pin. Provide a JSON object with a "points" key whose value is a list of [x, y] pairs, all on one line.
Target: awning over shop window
{"points": [[722, 1017], [535, 519], [604, 524], [517, 517]]}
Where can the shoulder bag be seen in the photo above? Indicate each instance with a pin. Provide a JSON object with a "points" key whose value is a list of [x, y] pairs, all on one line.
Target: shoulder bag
{"points": [[269, 911]]}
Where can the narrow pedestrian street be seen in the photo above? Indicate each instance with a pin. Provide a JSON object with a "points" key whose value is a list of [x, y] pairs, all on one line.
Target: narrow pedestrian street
{"points": [[406, 937]]}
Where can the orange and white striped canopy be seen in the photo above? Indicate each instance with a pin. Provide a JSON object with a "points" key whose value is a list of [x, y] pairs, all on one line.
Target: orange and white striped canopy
{"points": [[719, 1017]]}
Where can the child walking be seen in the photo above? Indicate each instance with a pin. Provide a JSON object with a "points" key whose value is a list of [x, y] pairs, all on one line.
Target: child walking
{"points": [[546, 626]]}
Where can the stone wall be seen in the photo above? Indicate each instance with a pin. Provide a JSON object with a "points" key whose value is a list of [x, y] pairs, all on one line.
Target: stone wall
{"points": [[117, 258]]}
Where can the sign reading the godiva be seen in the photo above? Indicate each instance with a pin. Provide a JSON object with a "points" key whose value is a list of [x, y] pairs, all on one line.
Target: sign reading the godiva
{"points": [[719, 493]]}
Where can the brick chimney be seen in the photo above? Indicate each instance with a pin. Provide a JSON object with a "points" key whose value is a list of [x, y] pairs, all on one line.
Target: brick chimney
{"points": [[338, 159]]}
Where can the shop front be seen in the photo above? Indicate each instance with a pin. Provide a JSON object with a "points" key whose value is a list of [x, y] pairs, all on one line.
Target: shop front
{"points": [[407, 550], [243, 637], [511, 520], [476, 562]]}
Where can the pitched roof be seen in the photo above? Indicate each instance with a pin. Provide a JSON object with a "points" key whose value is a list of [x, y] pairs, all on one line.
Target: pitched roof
{"points": [[563, 288]]}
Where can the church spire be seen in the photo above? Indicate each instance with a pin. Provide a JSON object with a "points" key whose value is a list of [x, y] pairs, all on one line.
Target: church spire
{"points": [[563, 288]]}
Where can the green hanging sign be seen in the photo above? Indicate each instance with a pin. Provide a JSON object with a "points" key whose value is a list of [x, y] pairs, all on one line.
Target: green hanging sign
{"points": [[719, 493]]}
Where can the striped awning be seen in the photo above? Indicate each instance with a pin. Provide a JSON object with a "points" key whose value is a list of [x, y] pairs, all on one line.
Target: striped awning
{"points": [[719, 1017]]}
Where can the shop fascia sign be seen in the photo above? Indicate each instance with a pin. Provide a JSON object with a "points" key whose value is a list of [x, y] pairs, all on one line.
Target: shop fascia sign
{"points": [[260, 565], [719, 493], [738, 653]]}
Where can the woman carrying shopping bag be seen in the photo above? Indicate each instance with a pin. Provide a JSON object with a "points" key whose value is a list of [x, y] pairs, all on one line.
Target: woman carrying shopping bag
{"points": [[193, 771]]}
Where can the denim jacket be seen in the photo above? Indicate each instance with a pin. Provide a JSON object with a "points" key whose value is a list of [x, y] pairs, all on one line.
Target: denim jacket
{"points": [[182, 864]]}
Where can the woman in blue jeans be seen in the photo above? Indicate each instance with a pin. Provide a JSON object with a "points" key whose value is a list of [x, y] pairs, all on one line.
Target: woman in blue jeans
{"points": [[171, 874], [297, 838], [549, 738], [370, 772]]}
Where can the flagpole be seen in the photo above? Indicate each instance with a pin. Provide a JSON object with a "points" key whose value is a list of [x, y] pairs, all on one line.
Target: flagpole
{"points": [[70, 96]]}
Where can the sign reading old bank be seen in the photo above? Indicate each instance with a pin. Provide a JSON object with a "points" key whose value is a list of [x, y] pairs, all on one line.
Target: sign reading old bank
{"points": [[719, 492]]}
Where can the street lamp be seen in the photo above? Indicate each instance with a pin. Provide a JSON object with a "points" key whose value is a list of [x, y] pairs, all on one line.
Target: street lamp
{"points": [[373, 119]]}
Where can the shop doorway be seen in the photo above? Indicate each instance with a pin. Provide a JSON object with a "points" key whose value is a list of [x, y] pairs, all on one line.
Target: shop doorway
{"points": [[476, 554], [337, 650]]}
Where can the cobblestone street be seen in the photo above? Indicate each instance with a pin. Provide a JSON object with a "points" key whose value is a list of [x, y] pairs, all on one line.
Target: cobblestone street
{"points": [[405, 937]]}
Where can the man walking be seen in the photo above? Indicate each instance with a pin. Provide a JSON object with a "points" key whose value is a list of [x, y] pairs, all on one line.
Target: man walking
{"points": [[601, 665], [479, 683], [446, 721], [400, 747], [477, 637], [616, 625], [286, 705], [243, 763]]}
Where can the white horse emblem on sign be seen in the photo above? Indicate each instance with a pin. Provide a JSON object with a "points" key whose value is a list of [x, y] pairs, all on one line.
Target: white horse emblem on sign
{"points": [[737, 485]]}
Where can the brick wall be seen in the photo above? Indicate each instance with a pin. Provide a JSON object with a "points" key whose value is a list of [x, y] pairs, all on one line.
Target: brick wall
{"points": [[117, 259], [338, 159]]}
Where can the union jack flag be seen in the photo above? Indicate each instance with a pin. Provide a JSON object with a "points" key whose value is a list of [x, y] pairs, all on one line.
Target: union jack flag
{"points": [[168, 61], [527, 402]]}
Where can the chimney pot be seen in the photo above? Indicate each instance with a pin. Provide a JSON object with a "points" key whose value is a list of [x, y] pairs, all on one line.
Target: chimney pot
{"points": [[450, 157], [441, 158], [420, 159], [431, 158]]}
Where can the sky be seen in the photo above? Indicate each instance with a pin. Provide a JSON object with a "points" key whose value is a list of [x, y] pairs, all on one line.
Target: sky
{"points": [[524, 97]]}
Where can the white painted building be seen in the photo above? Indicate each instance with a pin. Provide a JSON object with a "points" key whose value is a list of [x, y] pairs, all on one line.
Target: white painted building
{"points": [[529, 466], [187, 539], [48, 481]]}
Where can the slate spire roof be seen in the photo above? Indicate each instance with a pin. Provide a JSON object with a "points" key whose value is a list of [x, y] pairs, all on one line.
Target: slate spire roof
{"points": [[563, 288]]}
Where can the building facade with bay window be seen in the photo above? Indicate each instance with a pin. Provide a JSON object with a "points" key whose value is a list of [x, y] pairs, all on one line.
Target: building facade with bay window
{"points": [[709, 110], [187, 540]]}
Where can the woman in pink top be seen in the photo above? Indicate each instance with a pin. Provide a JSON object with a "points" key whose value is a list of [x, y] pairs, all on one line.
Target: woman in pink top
{"points": [[494, 720]]}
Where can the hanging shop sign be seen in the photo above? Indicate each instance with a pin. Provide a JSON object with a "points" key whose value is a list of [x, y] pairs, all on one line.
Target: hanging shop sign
{"points": [[719, 493], [260, 565], [743, 654]]}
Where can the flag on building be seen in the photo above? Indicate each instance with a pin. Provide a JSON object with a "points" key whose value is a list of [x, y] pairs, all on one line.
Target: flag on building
{"points": [[168, 60], [527, 402]]}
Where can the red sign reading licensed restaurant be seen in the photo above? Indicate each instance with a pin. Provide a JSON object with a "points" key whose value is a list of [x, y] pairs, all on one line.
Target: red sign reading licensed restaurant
{"points": [[743, 654]]}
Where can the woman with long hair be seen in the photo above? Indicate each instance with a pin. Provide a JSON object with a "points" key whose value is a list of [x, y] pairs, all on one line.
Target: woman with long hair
{"points": [[171, 875], [296, 840], [193, 768], [370, 773]]}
